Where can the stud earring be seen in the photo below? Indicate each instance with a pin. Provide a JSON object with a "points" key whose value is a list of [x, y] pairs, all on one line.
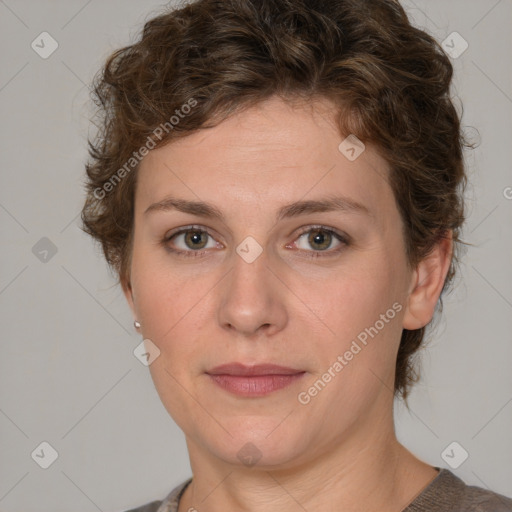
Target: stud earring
{"points": [[136, 324]]}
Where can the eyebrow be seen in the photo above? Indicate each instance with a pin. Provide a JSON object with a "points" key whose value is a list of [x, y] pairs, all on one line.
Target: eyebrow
{"points": [[203, 209]]}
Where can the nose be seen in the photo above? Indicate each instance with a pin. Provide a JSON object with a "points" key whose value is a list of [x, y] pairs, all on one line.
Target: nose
{"points": [[252, 299]]}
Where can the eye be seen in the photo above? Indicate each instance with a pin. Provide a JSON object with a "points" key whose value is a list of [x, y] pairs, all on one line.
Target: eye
{"points": [[194, 241], [190, 241], [321, 239]]}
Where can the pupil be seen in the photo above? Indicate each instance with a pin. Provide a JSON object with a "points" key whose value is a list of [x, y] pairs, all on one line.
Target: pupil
{"points": [[318, 237], [195, 238]]}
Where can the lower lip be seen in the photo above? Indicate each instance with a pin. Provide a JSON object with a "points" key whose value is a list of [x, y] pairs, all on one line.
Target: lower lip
{"points": [[256, 385]]}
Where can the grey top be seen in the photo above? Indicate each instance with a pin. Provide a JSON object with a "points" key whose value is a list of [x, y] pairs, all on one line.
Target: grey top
{"points": [[446, 493]]}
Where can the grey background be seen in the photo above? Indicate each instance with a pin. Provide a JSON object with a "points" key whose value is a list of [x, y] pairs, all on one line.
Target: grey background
{"points": [[68, 375]]}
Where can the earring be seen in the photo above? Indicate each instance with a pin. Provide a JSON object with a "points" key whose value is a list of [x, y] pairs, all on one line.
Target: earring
{"points": [[136, 324]]}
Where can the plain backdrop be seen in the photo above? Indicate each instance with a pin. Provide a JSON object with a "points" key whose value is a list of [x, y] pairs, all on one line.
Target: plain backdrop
{"points": [[68, 376]]}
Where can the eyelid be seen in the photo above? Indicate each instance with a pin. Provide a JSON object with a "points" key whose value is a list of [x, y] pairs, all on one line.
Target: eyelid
{"points": [[184, 229], [341, 237], [311, 227]]}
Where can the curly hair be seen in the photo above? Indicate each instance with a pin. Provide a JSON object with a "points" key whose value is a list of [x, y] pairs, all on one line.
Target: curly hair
{"points": [[389, 83]]}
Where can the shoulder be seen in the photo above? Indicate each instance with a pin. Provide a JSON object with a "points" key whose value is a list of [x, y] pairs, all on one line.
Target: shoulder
{"points": [[149, 507], [477, 499], [169, 504], [448, 493]]}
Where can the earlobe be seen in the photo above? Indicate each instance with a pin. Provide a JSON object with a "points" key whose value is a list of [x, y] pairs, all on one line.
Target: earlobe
{"points": [[427, 283]]}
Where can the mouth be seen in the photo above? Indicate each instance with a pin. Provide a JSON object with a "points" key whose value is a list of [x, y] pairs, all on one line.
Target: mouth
{"points": [[255, 380]]}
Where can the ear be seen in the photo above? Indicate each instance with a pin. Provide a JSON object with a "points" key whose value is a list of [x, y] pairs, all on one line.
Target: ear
{"points": [[128, 293], [427, 283]]}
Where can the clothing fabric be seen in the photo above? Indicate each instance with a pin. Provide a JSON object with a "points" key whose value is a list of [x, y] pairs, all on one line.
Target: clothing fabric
{"points": [[446, 493]]}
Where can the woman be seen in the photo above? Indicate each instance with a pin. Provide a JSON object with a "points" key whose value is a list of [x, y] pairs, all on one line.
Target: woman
{"points": [[279, 187]]}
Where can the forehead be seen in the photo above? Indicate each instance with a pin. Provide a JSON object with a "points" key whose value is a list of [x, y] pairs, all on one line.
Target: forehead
{"points": [[273, 153]]}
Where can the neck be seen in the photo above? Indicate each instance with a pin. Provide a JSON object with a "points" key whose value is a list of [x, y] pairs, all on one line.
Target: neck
{"points": [[368, 471]]}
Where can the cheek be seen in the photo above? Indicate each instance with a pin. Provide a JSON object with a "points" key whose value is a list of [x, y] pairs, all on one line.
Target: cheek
{"points": [[162, 292], [362, 309], [171, 306], [356, 359], [353, 299]]}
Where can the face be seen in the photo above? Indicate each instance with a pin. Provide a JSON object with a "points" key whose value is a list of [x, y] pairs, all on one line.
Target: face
{"points": [[319, 289]]}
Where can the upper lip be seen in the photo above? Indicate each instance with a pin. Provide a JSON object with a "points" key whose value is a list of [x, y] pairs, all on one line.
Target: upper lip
{"points": [[248, 370]]}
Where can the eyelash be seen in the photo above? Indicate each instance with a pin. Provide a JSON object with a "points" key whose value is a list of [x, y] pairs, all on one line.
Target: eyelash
{"points": [[312, 254]]}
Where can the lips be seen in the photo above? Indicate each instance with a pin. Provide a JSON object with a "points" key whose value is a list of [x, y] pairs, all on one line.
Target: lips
{"points": [[255, 380], [239, 369]]}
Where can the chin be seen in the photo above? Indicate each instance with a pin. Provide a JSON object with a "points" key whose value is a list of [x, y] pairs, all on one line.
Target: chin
{"points": [[255, 442]]}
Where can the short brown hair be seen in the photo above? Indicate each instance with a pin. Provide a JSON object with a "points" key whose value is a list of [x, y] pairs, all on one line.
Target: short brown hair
{"points": [[389, 83]]}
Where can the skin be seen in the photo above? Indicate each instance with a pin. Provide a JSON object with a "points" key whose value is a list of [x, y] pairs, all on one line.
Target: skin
{"points": [[284, 308]]}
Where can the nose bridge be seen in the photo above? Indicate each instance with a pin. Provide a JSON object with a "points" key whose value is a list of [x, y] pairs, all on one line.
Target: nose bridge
{"points": [[250, 298], [249, 270]]}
